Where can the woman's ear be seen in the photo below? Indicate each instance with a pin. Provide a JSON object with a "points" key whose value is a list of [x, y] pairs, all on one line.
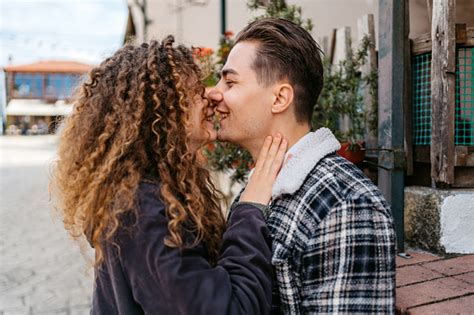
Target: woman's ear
{"points": [[284, 94]]}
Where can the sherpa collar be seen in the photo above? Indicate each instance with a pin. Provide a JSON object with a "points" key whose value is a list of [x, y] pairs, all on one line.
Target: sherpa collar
{"points": [[301, 159]]}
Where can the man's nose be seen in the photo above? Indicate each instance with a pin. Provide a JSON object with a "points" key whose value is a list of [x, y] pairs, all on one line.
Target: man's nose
{"points": [[214, 95]]}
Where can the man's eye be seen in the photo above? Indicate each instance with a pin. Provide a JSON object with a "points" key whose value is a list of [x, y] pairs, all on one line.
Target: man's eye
{"points": [[229, 83]]}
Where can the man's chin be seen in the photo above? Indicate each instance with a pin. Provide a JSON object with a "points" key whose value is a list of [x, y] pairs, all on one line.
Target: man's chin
{"points": [[223, 137]]}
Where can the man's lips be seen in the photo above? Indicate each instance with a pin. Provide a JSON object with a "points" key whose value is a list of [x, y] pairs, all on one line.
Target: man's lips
{"points": [[221, 116], [216, 118]]}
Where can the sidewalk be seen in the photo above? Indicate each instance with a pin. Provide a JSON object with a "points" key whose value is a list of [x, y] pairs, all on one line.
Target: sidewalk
{"points": [[429, 284], [42, 271]]}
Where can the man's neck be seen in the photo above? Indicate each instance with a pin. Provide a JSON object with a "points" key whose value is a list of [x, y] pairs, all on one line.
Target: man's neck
{"points": [[292, 135]]}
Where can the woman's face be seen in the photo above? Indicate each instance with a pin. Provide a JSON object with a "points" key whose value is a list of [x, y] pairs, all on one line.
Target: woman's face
{"points": [[201, 120]]}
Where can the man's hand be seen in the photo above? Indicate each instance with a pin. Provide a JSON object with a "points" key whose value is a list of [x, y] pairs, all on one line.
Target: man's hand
{"points": [[268, 165]]}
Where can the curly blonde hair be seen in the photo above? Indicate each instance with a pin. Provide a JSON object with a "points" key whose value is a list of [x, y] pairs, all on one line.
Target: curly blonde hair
{"points": [[126, 126]]}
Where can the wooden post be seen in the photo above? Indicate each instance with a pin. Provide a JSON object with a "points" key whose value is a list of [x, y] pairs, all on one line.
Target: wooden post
{"points": [[365, 27], [393, 38], [223, 17], [430, 13], [443, 67], [408, 112], [343, 51], [342, 45], [333, 46], [324, 42]]}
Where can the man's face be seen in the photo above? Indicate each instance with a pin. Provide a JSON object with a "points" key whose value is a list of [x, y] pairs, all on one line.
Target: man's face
{"points": [[245, 108]]}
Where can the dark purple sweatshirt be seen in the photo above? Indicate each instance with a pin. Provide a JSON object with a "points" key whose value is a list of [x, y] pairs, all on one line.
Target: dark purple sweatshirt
{"points": [[143, 276]]}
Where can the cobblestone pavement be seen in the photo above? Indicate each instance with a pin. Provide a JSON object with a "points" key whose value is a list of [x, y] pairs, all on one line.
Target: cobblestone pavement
{"points": [[42, 271]]}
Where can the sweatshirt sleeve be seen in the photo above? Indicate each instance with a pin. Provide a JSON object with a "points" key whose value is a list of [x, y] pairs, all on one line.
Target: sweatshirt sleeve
{"points": [[241, 283]]}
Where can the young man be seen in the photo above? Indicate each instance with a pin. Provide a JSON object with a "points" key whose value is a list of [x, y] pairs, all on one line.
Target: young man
{"points": [[333, 236]]}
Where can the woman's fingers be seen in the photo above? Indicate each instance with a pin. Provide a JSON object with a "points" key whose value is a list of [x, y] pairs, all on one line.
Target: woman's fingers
{"points": [[260, 184], [279, 158], [272, 152], [263, 153]]}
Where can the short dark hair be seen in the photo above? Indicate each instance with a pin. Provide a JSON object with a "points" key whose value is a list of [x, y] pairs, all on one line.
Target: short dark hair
{"points": [[287, 51]]}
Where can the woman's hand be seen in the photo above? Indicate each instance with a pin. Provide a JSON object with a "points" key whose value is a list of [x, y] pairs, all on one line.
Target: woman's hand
{"points": [[269, 162]]}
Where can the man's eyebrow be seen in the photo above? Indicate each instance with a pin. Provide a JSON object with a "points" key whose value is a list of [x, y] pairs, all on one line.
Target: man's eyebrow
{"points": [[225, 72]]}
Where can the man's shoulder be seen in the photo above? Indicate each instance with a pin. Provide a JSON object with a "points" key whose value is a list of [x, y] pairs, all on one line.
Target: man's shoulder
{"points": [[331, 182], [345, 179], [318, 194], [332, 175]]}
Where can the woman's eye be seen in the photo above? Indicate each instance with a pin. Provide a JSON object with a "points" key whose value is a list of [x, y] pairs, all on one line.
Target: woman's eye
{"points": [[229, 83]]}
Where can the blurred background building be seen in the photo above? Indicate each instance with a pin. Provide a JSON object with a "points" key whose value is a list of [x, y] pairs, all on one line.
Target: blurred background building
{"points": [[38, 94]]}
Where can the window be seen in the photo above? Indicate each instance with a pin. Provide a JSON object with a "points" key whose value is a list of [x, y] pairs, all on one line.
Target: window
{"points": [[23, 85], [52, 85], [38, 85], [70, 83]]}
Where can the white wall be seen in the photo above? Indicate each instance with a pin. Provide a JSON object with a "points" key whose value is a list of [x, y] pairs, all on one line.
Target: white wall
{"points": [[195, 25], [327, 15], [200, 25]]}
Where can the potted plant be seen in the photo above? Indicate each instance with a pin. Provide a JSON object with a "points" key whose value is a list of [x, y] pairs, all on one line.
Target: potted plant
{"points": [[340, 106]]}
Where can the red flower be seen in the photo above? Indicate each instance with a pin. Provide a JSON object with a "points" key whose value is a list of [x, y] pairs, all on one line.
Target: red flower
{"points": [[206, 51], [202, 52], [228, 34], [211, 146]]}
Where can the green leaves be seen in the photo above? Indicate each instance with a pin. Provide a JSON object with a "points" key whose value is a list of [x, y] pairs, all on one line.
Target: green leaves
{"points": [[223, 156], [279, 9], [342, 96]]}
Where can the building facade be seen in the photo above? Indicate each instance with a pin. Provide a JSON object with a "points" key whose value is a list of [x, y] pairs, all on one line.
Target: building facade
{"points": [[38, 95]]}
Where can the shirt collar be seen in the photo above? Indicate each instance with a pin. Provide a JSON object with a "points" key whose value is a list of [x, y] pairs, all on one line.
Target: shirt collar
{"points": [[301, 159]]}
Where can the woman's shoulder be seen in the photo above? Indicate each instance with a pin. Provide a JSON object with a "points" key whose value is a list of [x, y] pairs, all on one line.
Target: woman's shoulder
{"points": [[149, 185], [148, 198], [149, 213]]}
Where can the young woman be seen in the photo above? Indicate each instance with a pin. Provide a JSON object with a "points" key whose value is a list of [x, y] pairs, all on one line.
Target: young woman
{"points": [[129, 177]]}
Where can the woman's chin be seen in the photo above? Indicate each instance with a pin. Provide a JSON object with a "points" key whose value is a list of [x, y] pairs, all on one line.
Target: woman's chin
{"points": [[212, 135], [211, 132], [204, 136]]}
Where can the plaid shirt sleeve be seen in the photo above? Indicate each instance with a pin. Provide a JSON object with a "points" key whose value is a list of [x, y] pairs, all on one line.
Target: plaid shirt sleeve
{"points": [[347, 264]]}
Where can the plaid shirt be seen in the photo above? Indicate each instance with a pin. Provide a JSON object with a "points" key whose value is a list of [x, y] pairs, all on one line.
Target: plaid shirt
{"points": [[333, 235]]}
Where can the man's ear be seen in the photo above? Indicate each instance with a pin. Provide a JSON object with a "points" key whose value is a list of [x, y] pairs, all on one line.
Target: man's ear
{"points": [[284, 94]]}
